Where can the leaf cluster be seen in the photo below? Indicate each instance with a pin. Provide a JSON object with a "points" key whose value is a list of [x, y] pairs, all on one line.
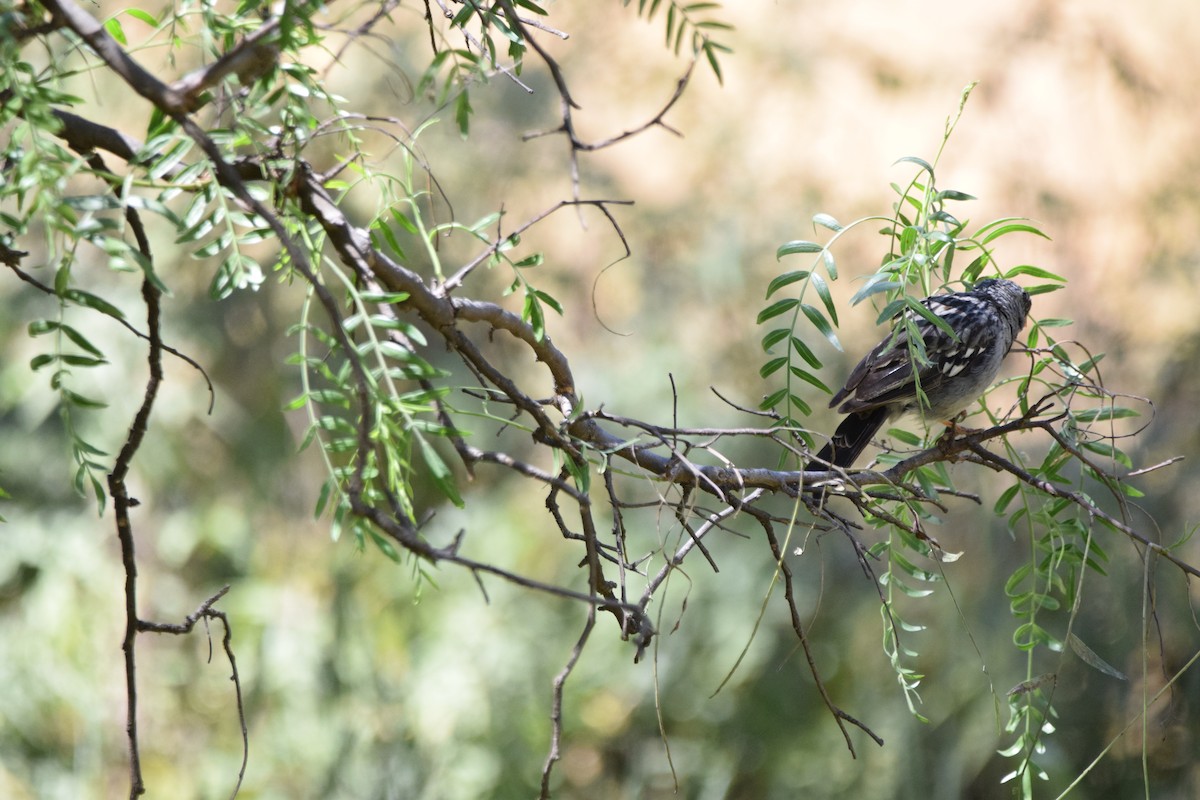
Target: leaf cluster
{"points": [[685, 18], [1054, 503]]}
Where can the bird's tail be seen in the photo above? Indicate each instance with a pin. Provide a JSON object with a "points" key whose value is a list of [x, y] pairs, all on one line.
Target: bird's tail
{"points": [[851, 437]]}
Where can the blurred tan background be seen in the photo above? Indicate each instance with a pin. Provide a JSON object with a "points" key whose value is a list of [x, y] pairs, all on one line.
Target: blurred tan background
{"points": [[363, 682]]}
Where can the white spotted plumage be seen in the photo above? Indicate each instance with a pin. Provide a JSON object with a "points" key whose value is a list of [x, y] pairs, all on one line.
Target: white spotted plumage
{"points": [[956, 368]]}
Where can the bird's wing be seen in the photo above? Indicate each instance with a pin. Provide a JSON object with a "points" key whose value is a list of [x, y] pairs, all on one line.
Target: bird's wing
{"points": [[886, 373]]}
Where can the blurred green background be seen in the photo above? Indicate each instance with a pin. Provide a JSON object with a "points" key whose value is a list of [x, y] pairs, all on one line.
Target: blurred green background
{"points": [[362, 682]]}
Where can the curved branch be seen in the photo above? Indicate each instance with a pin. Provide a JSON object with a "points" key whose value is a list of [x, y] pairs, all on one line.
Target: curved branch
{"points": [[1081, 500]]}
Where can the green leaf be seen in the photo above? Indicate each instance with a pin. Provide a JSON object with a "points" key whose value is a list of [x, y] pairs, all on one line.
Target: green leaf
{"points": [[1088, 365], [926, 313], [1037, 272], [144, 16], [535, 260], [805, 353], [826, 221], [62, 278], [1005, 498], [113, 26], [97, 487], [403, 221], [463, 15], [81, 361], [920, 162], [907, 437], [911, 592], [808, 377], [798, 246], [214, 247], [385, 545], [484, 222], [772, 366], [443, 478], [384, 297], [39, 361], [772, 400], [78, 338], [975, 268], [879, 282], [801, 406], [1130, 491], [548, 300], [580, 473], [892, 310], [830, 264], [93, 202], [822, 288], [1012, 227], [93, 302], [777, 308], [1016, 579], [786, 279], [773, 338], [330, 396], [327, 488], [41, 326], [462, 113], [163, 164], [1030, 635], [821, 324], [710, 54], [82, 401], [1105, 413], [532, 313], [379, 229], [1100, 448]]}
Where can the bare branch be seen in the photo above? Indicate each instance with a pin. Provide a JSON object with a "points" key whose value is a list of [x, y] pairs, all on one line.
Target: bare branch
{"points": [[122, 502], [839, 716], [252, 57], [1083, 502]]}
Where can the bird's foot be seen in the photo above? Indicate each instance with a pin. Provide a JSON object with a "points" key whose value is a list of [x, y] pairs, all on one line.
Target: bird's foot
{"points": [[954, 431]]}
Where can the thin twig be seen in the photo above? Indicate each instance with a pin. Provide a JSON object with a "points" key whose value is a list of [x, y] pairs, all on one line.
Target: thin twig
{"points": [[839, 716], [41, 287], [205, 611], [556, 703], [691, 542], [455, 280]]}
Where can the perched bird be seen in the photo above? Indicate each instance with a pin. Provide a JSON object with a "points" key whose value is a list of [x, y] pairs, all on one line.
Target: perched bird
{"points": [[986, 321]]}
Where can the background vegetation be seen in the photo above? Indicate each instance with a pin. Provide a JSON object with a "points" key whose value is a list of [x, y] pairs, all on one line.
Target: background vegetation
{"points": [[362, 679]]}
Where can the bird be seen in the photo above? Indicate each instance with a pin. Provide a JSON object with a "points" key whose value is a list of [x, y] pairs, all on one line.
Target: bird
{"points": [[957, 369]]}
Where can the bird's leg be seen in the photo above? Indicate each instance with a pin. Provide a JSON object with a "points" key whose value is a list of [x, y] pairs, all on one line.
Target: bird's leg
{"points": [[945, 442], [954, 430]]}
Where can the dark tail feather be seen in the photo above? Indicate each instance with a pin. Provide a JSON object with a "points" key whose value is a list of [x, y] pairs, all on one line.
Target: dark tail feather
{"points": [[851, 437]]}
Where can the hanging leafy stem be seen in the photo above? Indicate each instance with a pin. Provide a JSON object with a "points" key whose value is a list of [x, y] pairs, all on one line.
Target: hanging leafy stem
{"points": [[684, 17], [923, 238], [1062, 393]]}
